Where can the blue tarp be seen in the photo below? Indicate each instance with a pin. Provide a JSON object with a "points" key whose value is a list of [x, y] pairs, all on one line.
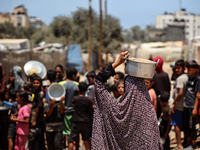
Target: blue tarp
{"points": [[74, 57]]}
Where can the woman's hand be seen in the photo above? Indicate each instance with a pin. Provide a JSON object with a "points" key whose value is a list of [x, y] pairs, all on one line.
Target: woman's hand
{"points": [[120, 59]]}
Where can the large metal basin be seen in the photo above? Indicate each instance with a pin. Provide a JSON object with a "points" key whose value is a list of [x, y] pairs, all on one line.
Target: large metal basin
{"points": [[140, 69]]}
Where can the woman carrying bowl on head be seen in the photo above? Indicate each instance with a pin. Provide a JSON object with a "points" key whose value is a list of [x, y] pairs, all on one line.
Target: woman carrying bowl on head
{"points": [[130, 123]]}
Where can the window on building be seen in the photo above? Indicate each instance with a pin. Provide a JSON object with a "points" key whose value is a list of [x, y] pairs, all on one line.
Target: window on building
{"points": [[176, 20], [182, 20], [19, 21], [19, 13]]}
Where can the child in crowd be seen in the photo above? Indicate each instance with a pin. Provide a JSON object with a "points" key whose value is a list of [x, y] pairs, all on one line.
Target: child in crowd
{"points": [[59, 72], [166, 107], [54, 118], [177, 108], [37, 114], [115, 92], [118, 76], [28, 89], [149, 83], [82, 106], [90, 93], [120, 89], [191, 103], [22, 121], [12, 125]]}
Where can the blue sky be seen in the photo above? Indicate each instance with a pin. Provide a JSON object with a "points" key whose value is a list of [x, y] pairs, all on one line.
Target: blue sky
{"points": [[129, 12]]}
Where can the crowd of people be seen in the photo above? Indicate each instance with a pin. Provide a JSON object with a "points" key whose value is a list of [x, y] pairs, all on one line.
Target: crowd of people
{"points": [[96, 109]]}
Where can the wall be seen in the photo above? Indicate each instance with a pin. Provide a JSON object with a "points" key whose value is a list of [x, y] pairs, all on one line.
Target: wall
{"points": [[50, 60]]}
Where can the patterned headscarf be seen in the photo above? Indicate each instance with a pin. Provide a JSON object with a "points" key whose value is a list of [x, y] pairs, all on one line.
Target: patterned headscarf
{"points": [[130, 123], [19, 81]]}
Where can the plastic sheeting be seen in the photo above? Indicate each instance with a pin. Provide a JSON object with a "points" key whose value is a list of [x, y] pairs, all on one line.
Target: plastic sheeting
{"points": [[169, 51], [74, 57]]}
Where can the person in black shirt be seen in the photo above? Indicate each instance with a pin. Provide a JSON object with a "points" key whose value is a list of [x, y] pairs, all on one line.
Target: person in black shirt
{"points": [[54, 117], [37, 115], [82, 106]]}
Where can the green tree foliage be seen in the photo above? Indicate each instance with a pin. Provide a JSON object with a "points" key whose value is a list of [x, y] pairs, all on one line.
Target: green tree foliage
{"points": [[71, 30], [7, 30], [136, 34], [78, 30]]}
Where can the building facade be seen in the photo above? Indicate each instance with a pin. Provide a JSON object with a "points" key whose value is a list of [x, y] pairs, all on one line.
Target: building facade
{"points": [[190, 22], [20, 18]]}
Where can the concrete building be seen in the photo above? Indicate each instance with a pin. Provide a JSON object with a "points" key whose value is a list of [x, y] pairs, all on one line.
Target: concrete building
{"points": [[190, 22], [20, 18]]}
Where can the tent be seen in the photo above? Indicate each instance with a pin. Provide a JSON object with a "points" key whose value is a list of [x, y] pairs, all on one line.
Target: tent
{"points": [[15, 44], [74, 57]]}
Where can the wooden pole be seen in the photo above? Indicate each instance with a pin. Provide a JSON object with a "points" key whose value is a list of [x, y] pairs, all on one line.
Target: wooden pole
{"points": [[89, 67], [100, 35], [106, 10]]}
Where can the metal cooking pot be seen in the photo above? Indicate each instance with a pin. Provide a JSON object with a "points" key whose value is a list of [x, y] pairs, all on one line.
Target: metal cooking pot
{"points": [[140, 69]]}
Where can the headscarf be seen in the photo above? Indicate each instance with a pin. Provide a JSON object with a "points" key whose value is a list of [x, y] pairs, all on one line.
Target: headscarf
{"points": [[2, 79], [128, 124], [19, 81], [160, 64]]}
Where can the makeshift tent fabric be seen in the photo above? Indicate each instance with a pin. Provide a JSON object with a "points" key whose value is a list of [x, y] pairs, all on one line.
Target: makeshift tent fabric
{"points": [[169, 51], [15, 44], [74, 57]]}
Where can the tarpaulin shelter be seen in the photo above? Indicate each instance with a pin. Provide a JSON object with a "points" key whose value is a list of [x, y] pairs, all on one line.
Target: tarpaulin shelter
{"points": [[194, 49], [170, 51], [15, 44], [74, 57]]}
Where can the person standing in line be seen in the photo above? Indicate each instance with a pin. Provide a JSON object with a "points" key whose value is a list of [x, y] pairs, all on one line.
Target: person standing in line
{"points": [[37, 115], [12, 125], [166, 108], [2, 82], [59, 73], [22, 121], [54, 111], [161, 78], [71, 91], [81, 121], [161, 82], [149, 83], [191, 104], [130, 123], [177, 108], [90, 93]]}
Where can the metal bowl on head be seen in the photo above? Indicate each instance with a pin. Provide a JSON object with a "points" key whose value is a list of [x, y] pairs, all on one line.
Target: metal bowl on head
{"points": [[139, 67], [56, 91], [35, 66]]}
